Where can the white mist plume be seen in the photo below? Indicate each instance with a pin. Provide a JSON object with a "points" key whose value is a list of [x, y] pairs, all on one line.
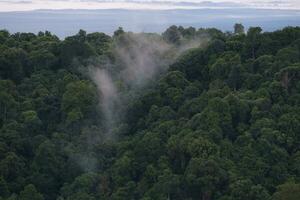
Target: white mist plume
{"points": [[108, 94], [141, 57]]}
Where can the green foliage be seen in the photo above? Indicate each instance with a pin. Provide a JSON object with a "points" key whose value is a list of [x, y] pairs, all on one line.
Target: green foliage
{"points": [[239, 29], [172, 35], [287, 191], [30, 193], [79, 99], [3, 188], [222, 123]]}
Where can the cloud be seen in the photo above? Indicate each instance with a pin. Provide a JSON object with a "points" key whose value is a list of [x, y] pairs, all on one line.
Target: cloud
{"points": [[16, 2], [22, 5]]}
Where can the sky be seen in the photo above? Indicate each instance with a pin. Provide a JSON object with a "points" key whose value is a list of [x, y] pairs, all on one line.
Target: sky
{"points": [[25, 5]]}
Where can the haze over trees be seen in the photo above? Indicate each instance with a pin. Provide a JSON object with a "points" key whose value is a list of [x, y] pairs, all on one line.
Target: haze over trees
{"points": [[216, 118]]}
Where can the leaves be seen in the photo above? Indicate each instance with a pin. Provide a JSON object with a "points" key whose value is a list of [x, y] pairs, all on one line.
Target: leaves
{"points": [[222, 123]]}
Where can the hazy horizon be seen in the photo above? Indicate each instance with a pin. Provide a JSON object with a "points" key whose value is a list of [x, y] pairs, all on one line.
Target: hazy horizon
{"points": [[29, 5], [66, 17], [67, 22]]}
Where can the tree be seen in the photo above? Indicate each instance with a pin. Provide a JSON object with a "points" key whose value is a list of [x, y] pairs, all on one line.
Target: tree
{"points": [[125, 192], [8, 106], [4, 191], [42, 59], [287, 56], [172, 35], [4, 35], [253, 40], [239, 29], [228, 64], [174, 79], [13, 61], [244, 189], [82, 187], [74, 48], [204, 178], [119, 32], [167, 186], [100, 41], [287, 191], [235, 77], [31, 121], [12, 167], [81, 35], [289, 74], [79, 99], [46, 159], [30, 193]]}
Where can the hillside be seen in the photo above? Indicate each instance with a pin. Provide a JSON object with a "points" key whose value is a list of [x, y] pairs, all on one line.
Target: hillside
{"points": [[188, 114]]}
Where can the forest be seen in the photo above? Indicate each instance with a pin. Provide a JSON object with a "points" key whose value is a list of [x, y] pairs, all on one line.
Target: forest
{"points": [[189, 114]]}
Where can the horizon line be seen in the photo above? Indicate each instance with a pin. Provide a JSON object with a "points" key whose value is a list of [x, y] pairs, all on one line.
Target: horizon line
{"points": [[154, 9]]}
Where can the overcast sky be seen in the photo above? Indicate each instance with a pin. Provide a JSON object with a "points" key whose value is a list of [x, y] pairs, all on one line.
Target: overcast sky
{"points": [[21, 5]]}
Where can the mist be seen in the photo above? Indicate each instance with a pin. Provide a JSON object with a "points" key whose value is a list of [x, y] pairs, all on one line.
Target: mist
{"points": [[140, 58], [108, 95]]}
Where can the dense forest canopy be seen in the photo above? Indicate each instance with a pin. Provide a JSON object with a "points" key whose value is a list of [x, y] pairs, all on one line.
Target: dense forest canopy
{"points": [[188, 114]]}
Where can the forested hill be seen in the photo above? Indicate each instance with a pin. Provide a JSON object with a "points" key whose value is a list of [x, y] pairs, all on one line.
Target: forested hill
{"points": [[189, 114]]}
